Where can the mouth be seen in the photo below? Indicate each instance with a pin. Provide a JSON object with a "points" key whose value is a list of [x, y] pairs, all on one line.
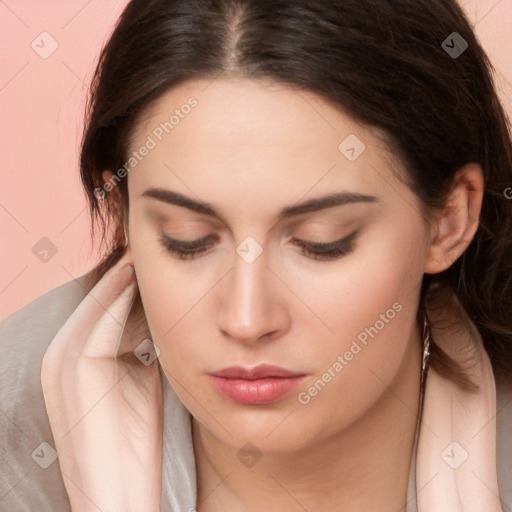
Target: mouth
{"points": [[262, 384]]}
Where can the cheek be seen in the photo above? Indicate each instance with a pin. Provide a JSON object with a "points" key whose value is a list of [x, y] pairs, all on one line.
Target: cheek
{"points": [[168, 287], [368, 306], [177, 303], [351, 294]]}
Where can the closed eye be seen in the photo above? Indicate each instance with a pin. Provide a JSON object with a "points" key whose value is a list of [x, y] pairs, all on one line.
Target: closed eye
{"points": [[328, 251], [189, 249]]}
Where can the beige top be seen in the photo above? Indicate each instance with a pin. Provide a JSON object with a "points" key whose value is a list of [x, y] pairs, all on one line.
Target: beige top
{"points": [[30, 477]]}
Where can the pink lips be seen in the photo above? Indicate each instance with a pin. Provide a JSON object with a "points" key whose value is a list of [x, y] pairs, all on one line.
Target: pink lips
{"points": [[260, 385]]}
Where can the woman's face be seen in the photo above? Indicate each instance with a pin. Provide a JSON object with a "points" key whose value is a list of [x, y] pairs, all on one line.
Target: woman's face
{"points": [[254, 153]]}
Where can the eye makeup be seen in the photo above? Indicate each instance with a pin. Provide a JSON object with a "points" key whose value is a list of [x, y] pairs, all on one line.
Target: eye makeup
{"points": [[187, 250]]}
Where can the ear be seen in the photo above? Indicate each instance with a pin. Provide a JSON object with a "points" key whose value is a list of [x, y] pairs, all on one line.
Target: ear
{"points": [[106, 175], [456, 225]]}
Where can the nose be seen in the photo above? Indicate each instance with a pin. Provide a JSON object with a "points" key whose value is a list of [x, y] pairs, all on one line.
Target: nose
{"points": [[252, 303]]}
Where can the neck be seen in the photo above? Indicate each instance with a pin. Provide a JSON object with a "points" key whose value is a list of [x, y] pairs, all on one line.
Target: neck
{"points": [[363, 467]]}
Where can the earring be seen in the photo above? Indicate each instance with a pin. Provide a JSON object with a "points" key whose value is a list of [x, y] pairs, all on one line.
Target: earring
{"points": [[426, 351]]}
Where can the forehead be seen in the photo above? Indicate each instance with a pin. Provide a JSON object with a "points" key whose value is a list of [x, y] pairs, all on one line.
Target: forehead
{"points": [[248, 109], [228, 137]]}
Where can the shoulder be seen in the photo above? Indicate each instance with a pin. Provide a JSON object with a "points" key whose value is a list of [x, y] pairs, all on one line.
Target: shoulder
{"points": [[504, 440], [31, 474]]}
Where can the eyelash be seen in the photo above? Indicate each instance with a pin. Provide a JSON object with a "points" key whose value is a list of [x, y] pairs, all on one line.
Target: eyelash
{"points": [[185, 250]]}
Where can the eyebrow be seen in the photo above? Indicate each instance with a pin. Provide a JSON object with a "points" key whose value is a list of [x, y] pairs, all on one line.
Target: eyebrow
{"points": [[312, 205]]}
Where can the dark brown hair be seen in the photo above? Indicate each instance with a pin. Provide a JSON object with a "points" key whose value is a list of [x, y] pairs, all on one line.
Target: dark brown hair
{"points": [[384, 62]]}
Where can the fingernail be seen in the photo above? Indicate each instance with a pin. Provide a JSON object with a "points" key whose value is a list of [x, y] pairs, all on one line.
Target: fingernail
{"points": [[128, 270]]}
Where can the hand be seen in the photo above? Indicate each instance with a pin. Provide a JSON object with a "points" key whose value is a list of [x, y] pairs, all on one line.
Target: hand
{"points": [[104, 405]]}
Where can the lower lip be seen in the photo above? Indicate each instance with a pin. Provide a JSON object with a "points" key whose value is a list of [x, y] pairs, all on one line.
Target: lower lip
{"points": [[257, 391]]}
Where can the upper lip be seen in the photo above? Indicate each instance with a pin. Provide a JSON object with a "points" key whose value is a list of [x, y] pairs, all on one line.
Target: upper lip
{"points": [[257, 372]]}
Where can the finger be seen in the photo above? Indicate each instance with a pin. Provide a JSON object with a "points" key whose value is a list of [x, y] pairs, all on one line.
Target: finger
{"points": [[107, 302], [136, 329], [105, 337]]}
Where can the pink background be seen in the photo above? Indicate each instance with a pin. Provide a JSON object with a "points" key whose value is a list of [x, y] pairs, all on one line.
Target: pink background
{"points": [[42, 101]]}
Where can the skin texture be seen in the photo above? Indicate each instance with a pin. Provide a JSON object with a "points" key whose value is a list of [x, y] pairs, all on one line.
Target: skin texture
{"points": [[250, 149]]}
